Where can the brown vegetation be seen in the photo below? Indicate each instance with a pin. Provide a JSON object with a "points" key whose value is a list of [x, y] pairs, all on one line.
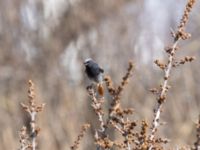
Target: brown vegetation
{"points": [[48, 46]]}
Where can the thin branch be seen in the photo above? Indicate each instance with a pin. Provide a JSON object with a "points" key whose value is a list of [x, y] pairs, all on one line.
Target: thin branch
{"points": [[179, 35]]}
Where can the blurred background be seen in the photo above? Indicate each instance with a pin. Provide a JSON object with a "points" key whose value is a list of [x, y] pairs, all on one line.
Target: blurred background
{"points": [[48, 40]]}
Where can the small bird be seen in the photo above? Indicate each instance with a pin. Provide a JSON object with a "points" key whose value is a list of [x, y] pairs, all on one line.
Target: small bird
{"points": [[94, 73]]}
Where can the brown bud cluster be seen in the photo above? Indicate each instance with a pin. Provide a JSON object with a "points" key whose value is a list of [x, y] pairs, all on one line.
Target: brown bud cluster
{"points": [[196, 145], [128, 74], [32, 107], [96, 103], [28, 140], [162, 140], [109, 85], [24, 138], [161, 98], [160, 64], [154, 90], [187, 59], [183, 61], [80, 136], [185, 16], [106, 143], [100, 89], [169, 50], [117, 92], [181, 34]]}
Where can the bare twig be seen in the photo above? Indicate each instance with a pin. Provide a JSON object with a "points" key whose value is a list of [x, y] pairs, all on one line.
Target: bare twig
{"points": [[80, 136], [180, 34], [24, 139], [162, 95], [32, 108]]}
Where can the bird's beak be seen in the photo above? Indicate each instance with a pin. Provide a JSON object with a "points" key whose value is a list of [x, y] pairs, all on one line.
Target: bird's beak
{"points": [[85, 63]]}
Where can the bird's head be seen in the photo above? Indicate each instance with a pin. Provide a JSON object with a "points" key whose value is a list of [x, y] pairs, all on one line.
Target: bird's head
{"points": [[87, 61]]}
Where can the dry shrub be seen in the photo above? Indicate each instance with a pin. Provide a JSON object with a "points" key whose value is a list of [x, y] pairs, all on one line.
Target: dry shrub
{"points": [[140, 134]]}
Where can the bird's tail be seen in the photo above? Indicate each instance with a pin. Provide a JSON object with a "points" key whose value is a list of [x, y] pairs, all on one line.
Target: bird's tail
{"points": [[100, 89]]}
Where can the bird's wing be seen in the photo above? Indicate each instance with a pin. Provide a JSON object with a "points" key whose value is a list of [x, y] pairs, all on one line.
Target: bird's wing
{"points": [[101, 70]]}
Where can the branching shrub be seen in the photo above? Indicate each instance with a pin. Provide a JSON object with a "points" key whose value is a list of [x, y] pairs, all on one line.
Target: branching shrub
{"points": [[28, 140], [134, 134]]}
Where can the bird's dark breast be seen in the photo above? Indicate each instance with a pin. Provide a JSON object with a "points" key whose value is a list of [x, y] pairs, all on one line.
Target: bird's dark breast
{"points": [[92, 71]]}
